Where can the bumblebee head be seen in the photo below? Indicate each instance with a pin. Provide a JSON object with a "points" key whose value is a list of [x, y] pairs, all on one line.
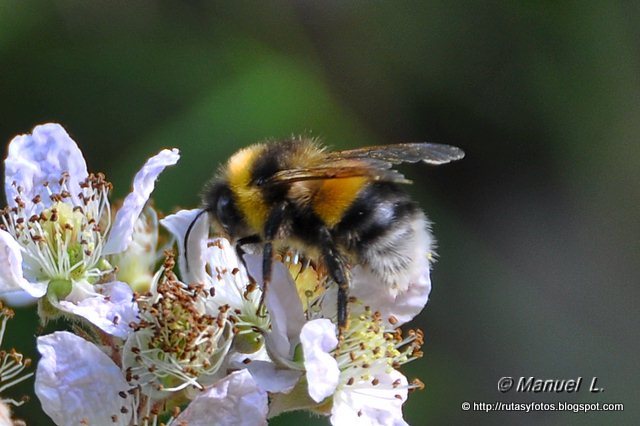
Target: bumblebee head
{"points": [[219, 202]]}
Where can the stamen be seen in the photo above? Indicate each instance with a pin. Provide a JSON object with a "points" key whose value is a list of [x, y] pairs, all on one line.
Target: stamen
{"points": [[12, 363], [63, 240], [178, 341]]}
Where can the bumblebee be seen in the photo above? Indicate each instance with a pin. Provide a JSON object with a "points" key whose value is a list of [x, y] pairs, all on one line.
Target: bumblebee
{"points": [[338, 207]]}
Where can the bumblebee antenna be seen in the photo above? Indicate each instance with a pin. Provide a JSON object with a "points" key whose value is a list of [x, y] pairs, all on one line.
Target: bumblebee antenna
{"points": [[186, 237]]}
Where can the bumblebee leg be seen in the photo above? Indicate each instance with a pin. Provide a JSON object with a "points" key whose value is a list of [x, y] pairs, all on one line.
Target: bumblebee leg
{"points": [[251, 239], [306, 263], [336, 269], [267, 266], [335, 264], [271, 228]]}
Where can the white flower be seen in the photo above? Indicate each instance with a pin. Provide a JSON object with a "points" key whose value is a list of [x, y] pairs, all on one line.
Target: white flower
{"points": [[78, 384], [357, 381], [178, 342], [359, 376], [371, 390], [57, 230], [235, 400]]}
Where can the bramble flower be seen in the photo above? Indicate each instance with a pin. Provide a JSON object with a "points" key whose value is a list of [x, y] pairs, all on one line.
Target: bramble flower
{"points": [[174, 346], [57, 230], [178, 342], [355, 380], [371, 390]]}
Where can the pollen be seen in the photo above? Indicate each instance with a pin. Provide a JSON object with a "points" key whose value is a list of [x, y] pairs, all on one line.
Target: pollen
{"points": [[369, 351], [178, 340], [307, 279], [62, 238]]}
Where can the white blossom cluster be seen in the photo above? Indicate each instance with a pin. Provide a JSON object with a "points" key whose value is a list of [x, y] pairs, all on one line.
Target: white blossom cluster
{"points": [[155, 342]]}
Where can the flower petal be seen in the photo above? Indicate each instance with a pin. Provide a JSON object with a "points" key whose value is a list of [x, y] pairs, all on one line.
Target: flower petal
{"points": [[143, 184], [18, 298], [111, 312], [78, 384], [273, 379], [236, 400], [137, 263], [230, 287], [404, 305], [367, 405], [284, 306], [5, 414], [318, 338], [42, 157], [178, 224], [11, 275]]}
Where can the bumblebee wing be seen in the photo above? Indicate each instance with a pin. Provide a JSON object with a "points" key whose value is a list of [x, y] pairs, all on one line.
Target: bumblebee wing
{"points": [[430, 153], [340, 169], [373, 162]]}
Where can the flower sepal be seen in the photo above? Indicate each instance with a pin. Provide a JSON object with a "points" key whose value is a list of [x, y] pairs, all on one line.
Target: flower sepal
{"points": [[297, 399]]}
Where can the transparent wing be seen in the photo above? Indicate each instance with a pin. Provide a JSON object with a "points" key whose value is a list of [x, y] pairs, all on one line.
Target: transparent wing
{"points": [[430, 153], [373, 162]]}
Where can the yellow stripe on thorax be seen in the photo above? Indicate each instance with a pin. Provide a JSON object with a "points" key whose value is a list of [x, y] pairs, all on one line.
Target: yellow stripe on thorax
{"points": [[335, 196], [248, 198]]}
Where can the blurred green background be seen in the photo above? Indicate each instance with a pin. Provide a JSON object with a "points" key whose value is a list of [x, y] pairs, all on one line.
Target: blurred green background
{"points": [[537, 228]]}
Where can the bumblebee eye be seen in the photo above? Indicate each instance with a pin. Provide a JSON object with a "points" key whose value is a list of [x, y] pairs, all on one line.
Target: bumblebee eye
{"points": [[223, 207]]}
